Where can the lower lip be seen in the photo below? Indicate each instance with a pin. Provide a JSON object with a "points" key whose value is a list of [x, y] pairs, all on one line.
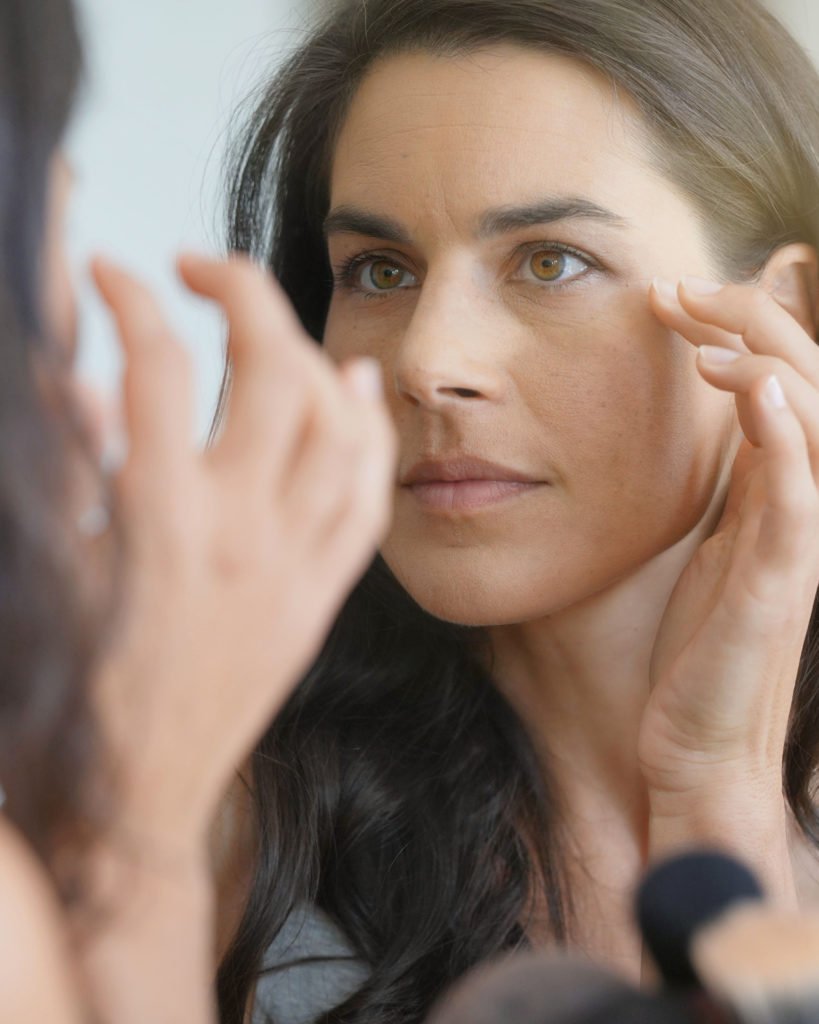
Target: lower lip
{"points": [[467, 495]]}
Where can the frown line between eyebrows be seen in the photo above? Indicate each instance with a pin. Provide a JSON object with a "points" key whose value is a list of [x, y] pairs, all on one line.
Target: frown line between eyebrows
{"points": [[354, 221]]}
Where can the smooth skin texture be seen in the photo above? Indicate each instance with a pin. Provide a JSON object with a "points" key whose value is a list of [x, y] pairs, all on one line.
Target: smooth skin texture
{"points": [[235, 562], [653, 660]]}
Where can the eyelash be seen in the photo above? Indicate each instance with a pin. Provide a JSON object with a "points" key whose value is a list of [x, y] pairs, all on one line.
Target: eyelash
{"points": [[347, 272]]}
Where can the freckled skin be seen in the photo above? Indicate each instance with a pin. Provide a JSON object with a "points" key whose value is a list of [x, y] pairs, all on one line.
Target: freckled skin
{"points": [[582, 386]]}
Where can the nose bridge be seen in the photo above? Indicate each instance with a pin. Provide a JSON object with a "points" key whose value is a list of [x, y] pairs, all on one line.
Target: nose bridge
{"points": [[446, 351]]}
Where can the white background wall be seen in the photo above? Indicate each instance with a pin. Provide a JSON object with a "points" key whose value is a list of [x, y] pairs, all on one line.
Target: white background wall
{"points": [[802, 18], [148, 143]]}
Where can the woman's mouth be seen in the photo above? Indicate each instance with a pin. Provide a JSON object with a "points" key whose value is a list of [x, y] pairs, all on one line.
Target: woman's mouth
{"points": [[465, 483], [466, 495]]}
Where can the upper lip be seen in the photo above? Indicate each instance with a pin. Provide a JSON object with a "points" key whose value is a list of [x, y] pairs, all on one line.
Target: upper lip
{"points": [[462, 467]]}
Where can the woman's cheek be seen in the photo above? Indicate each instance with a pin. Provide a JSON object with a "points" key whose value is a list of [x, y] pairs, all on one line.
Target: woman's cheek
{"points": [[620, 394]]}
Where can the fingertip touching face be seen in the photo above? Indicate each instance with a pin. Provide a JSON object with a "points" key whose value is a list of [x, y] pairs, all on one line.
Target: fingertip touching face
{"points": [[495, 225]]}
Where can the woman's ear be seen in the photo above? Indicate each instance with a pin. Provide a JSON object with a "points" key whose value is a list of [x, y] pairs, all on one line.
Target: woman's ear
{"points": [[791, 275]]}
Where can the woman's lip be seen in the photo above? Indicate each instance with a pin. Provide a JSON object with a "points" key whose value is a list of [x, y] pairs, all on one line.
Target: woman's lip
{"points": [[459, 468], [466, 495]]}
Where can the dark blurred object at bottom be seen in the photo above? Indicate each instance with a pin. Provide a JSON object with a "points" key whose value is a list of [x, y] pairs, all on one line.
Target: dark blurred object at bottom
{"points": [[541, 988]]}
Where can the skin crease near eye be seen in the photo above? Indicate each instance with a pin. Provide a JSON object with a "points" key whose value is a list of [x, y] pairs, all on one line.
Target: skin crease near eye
{"points": [[571, 380]]}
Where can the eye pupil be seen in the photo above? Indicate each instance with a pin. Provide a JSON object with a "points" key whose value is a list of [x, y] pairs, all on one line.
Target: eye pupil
{"points": [[386, 276], [548, 265]]}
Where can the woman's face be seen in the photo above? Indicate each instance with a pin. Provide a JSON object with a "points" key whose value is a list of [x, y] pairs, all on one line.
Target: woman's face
{"points": [[495, 225]]}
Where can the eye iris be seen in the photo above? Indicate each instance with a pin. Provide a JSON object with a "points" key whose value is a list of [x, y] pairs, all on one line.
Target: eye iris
{"points": [[386, 276], [548, 264]]}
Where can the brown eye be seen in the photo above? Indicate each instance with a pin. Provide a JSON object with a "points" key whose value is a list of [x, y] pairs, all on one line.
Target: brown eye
{"points": [[548, 264], [382, 276]]}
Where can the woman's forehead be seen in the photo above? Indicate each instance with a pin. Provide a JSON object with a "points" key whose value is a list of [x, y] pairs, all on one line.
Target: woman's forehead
{"points": [[487, 130], [502, 117]]}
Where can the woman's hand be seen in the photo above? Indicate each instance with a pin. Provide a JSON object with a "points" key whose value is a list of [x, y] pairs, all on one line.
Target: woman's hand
{"points": [[727, 652], [238, 558]]}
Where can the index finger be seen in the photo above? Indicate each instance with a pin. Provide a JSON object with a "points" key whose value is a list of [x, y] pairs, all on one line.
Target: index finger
{"points": [[275, 366], [253, 300], [765, 327], [158, 394]]}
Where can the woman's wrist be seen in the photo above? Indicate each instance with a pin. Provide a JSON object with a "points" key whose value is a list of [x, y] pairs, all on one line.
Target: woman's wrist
{"points": [[161, 802], [735, 819], [125, 864], [144, 903]]}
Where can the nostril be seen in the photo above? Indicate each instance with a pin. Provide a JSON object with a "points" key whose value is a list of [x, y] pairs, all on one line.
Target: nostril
{"points": [[465, 392]]}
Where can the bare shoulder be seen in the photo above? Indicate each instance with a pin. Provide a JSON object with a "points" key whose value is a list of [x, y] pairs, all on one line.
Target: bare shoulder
{"points": [[37, 982]]}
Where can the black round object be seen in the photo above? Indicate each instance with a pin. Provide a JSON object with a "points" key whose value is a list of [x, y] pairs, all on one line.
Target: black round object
{"points": [[681, 895]]}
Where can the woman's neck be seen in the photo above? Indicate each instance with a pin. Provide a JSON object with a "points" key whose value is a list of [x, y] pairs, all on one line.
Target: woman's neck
{"points": [[580, 680]]}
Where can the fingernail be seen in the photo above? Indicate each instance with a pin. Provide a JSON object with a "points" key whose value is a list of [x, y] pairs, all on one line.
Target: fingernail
{"points": [[718, 354], [366, 380], [699, 286], [774, 393], [665, 289]]}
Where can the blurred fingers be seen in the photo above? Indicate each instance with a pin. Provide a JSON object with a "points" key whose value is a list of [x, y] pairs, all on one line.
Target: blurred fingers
{"points": [[367, 515], [158, 391], [274, 365], [325, 474]]}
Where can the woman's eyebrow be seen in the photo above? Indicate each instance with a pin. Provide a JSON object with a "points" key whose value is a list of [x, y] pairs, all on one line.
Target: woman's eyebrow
{"points": [[547, 211], [351, 220]]}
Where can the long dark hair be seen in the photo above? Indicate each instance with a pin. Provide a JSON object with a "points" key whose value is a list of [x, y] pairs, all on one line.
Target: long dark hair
{"points": [[398, 790], [47, 740]]}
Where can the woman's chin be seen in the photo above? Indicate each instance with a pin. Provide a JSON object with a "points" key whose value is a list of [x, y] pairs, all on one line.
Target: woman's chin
{"points": [[472, 602]]}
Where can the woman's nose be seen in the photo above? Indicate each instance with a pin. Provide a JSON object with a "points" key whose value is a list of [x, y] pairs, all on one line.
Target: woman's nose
{"points": [[449, 353]]}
